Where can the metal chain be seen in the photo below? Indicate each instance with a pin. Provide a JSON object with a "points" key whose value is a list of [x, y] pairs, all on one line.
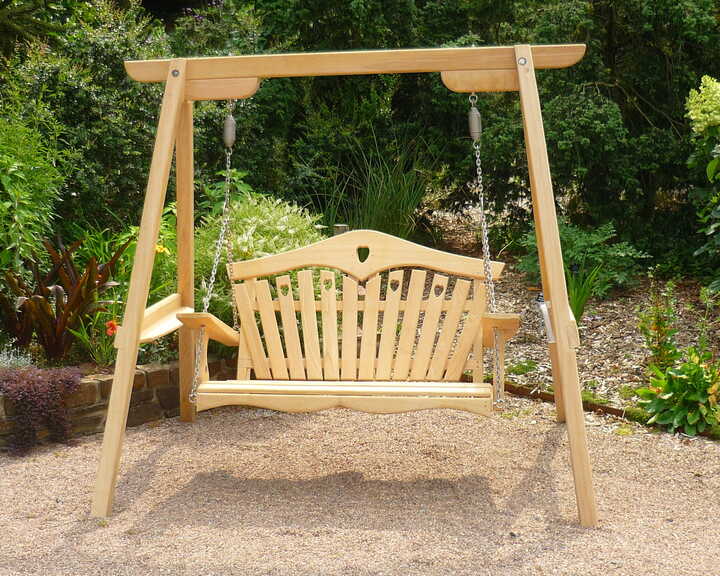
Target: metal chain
{"points": [[221, 241], [478, 189]]}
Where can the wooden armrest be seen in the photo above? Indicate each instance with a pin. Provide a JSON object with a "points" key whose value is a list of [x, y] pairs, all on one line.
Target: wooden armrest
{"points": [[506, 324], [215, 328]]}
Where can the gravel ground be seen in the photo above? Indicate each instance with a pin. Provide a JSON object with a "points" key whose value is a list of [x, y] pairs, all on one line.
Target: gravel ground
{"points": [[439, 492]]}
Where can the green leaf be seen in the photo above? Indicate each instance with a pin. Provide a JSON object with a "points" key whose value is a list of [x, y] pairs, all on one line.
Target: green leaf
{"points": [[693, 417]]}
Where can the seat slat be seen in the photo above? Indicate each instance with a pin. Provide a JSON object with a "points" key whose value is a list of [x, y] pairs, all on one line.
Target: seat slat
{"points": [[408, 332], [433, 309], [368, 344], [386, 351], [449, 330], [341, 388], [328, 299], [295, 360], [276, 355]]}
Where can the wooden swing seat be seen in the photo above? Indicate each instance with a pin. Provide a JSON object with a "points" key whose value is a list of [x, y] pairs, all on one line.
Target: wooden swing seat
{"points": [[398, 337]]}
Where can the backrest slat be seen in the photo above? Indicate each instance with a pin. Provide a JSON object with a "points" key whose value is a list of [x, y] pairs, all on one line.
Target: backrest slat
{"points": [[248, 324], [408, 332], [393, 294], [423, 351], [349, 328], [449, 330], [328, 299], [276, 355], [288, 317], [311, 339], [368, 343], [456, 364]]}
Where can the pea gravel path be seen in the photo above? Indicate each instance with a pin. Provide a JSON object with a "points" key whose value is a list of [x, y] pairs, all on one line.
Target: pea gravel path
{"points": [[256, 492]]}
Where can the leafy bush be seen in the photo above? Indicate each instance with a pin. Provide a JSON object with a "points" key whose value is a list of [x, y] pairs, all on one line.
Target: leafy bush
{"points": [[685, 397], [259, 225], [56, 302], [13, 357], [38, 398], [587, 249], [29, 188], [109, 120], [703, 109], [657, 325]]}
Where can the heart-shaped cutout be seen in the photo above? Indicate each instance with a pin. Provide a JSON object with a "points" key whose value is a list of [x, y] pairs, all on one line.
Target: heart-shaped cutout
{"points": [[284, 289], [439, 289], [394, 285], [363, 252], [327, 283]]}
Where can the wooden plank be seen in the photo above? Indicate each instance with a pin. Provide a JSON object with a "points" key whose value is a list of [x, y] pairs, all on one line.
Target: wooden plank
{"points": [[342, 252], [368, 342], [138, 290], [390, 325], [349, 328], [357, 62], [288, 317], [371, 404], [553, 279], [428, 331], [480, 80], [248, 324], [408, 332], [478, 305], [449, 330], [361, 306], [276, 355], [215, 328], [328, 300], [222, 88], [342, 388], [185, 228], [456, 364], [311, 339], [160, 319]]}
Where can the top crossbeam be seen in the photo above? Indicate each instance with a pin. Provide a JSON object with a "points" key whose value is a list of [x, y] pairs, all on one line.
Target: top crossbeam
{"points": [[493, 58]]}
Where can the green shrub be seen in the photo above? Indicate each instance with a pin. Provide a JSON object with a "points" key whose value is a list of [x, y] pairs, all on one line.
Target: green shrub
{"points": [[685, 397], [109, 120], [29, 188], [657, 325], [703, 109], [259, 225], [585, 250]]}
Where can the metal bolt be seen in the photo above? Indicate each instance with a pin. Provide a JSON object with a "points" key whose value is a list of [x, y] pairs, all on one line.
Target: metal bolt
{"points": [[522, 61], [175, 73]]}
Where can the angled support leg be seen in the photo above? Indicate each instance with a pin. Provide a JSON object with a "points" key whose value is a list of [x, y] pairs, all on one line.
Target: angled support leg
{"points": [[565, 372], [128, 337]]}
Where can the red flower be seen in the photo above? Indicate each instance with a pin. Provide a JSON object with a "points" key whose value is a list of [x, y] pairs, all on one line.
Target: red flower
{"points": [[111, 327]]}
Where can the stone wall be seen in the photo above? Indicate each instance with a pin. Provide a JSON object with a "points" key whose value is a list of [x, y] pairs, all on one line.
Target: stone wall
{"points": [[155, 396]]}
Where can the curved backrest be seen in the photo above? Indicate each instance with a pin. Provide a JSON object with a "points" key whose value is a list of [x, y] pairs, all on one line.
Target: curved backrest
{"points": [[362, 253], [386, 318]]}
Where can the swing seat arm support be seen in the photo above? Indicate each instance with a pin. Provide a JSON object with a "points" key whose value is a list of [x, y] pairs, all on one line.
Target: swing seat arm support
{"points": [[215, 329]]}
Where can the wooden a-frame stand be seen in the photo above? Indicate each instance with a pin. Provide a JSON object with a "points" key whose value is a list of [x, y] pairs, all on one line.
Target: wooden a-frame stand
{"points": [[488, 69]]}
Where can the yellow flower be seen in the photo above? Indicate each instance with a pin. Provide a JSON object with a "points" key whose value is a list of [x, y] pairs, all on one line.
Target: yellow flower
{"points": [[160, 249]]}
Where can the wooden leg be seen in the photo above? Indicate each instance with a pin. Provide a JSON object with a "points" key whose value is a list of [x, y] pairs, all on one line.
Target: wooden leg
{"points": [[128, 336], [185, 254], [114, 431], [562, 353]]}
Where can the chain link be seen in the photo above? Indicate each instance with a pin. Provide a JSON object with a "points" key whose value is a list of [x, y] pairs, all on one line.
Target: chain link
{"points": [[478, 190], [222, 241]]}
